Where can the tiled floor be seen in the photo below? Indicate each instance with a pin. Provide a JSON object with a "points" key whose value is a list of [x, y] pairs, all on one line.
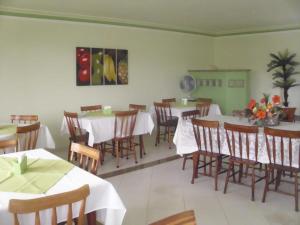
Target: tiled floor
{"points": [[158, 191]]}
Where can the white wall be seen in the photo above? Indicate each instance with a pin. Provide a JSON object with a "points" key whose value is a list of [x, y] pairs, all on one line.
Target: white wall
{"points": [[252, 52], [37, 66]]}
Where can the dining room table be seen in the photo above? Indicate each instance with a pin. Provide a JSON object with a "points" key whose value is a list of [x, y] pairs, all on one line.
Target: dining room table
{"points": [[100, 126], [47, 174], [44, 140], [185, 142]]}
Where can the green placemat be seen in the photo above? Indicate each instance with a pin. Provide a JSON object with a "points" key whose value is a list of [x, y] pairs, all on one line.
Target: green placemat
{"points": [[8, 129], [98, 113], [180, 105], [40, 176]]}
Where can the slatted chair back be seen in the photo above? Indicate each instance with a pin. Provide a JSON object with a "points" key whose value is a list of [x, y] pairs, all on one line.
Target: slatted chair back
{"points": [[26, 119], [137, 107], [124, 124], [168, 100], [183, 218], [203, 108], [17, 206], [207, 135], [27, 136], [89, 158], [280, 145], [163, 112], [7, 145], [201, 100], [90, 108], [73, 125], [239, 139], [190, 114]]}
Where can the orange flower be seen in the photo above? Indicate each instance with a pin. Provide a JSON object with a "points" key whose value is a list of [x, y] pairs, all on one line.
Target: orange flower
{"points": [[276, 99], [261, 114], [251, 104]]}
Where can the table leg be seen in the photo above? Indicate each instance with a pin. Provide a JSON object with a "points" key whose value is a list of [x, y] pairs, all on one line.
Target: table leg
{"points": [[142, 148], [91, 218]]}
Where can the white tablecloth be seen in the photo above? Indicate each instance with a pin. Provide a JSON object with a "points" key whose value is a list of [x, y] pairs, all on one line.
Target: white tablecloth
{"points": [[177, 111], [103, 197], [185, 141], [101, 128], [45, 139]]}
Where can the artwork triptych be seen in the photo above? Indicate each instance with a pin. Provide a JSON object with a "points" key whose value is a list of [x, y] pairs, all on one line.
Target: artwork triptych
{"points": [[101, 66]]}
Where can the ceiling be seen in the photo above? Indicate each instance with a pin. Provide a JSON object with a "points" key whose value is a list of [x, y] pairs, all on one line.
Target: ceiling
{"points": [[210, 17]]}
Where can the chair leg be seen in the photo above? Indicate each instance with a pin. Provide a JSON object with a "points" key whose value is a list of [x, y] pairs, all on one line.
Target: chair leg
{"points": [[132, 147], [184, 161], [217, 172], [266, 184], [69, 151], [253, 183], [241, 169], [142, 147], [157, 136], [278, 179], [230, 168], [196, 157], [169, 137], [117, 153], [296, 192], [210, 166]]}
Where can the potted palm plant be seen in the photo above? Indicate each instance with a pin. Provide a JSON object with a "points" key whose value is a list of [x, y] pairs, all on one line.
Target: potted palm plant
{"points": [[283, 64]]}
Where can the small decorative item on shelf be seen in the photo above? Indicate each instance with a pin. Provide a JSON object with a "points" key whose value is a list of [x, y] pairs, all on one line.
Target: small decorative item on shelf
{"points": [[265, 113], [20, 166], [107, 110], [184, 101]]}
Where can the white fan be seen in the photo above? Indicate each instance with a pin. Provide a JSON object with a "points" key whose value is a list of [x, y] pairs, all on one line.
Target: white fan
{"points": [[188, 83]]}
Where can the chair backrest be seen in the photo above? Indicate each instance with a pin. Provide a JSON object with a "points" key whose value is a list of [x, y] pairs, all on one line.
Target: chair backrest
{"points": [[89, 158], [73, 125], [168, 100], [137, 107], [203, 108], [163, 112], [289, 114], [190, 114], [90, 108], [282, 147], [240, 138], [124, 124], [27, 136], [183, 218], [7, 145], [18, 206], [24, 118], [201, 100], [207, 135]]}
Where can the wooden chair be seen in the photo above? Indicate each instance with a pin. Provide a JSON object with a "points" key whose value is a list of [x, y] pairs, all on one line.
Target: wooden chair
{"points": [[90, 108], [204, 100], [123, 134], [207, 136], [239, 139], [183, 218], [7, 144], [203, 108], [289, 114], [17, 206], [188, 115], [141, 139], [164, 119], [168, 100], [89, 158], [282, 158], [24, 118], [27, 136], [77, 134]]}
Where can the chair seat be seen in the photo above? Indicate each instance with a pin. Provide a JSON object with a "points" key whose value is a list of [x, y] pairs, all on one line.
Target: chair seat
{"points": [[172, 121], [244, 161]]}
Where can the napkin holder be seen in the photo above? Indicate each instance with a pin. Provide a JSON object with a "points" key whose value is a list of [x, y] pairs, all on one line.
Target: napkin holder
{"points": [[107, 110], [20, 166]]}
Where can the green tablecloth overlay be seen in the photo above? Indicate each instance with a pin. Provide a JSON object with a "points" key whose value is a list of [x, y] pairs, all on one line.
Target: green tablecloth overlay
{"points": [[40, 176], [98, 113], [8, 129], [180, 105]]}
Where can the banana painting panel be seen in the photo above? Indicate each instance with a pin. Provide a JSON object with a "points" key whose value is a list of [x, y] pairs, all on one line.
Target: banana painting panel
{"points": [[83, 66], [110, 76], [97, 66], [122, 66]]}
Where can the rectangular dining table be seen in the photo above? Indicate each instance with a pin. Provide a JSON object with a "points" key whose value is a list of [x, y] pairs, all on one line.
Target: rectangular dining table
{"points": [[103, 203], [101, 127], [185, 142], [44, 140]]}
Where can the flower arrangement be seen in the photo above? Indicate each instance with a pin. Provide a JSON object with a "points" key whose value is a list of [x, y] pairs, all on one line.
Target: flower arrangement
{"points": [[265, 112]]}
